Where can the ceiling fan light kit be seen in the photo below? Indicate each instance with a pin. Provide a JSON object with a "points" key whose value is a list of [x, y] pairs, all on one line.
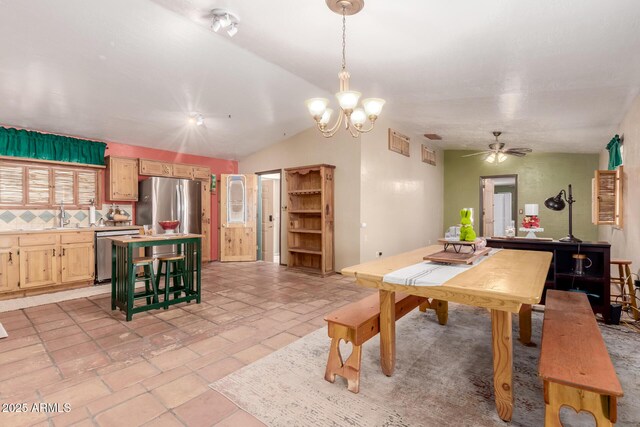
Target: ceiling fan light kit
{"points": [[353, 117], [497, 153]]}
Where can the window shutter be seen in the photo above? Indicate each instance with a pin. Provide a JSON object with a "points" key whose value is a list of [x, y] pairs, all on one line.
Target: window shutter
{"points": [[38, 186], [63, 181], [11, 185], [87, 188]]}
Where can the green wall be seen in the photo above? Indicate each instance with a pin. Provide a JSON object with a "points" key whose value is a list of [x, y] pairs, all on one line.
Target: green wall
{"points": [[540, 175]]}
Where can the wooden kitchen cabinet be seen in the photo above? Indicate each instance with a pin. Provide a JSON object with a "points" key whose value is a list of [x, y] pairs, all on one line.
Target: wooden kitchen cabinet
{"points": [[206, 221], [182, 171], [76, 257], [155, 168], [32, 261], [9, 264], [38, 266], [76, 262], [122, 179], [201, 173]]}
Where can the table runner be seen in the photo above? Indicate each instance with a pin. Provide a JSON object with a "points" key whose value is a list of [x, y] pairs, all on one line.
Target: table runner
{"points": [[428, 273]]}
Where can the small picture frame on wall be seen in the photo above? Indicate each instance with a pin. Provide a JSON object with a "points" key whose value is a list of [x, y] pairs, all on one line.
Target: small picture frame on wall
{"points": [[399, 143], [213, 184], [428, 156]]}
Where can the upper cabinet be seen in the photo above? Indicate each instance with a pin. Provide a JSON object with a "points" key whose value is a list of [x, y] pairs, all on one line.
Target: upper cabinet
{"points": [[122, 179], [201, 173], [174, 170], [607, 197], [182, 171], [155, 168], [27, 184]]}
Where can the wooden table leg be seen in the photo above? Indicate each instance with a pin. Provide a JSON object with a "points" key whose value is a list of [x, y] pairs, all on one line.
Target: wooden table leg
{"points": [[502, 362], [387, 331], [525, 324]]}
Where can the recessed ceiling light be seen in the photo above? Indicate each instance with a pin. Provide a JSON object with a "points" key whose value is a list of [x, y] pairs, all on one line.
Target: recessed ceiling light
{"points": [[433, 136]]}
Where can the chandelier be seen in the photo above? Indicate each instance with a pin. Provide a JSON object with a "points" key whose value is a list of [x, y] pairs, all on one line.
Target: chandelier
{"points": [[350, 114]]}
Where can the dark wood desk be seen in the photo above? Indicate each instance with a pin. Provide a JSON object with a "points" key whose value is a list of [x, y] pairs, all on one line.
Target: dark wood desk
{"points": [[597, 280]]}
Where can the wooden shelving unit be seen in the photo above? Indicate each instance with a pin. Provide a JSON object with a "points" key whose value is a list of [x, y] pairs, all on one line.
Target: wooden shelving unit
{"points": [[311, 219]]}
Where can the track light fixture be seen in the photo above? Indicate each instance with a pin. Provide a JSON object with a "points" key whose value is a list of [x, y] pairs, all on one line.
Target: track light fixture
{"points": [[224, 20]]}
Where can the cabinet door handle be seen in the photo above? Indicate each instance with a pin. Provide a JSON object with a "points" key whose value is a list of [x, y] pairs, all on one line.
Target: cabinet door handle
{"points": [[10, 256], [54, 253], [63, 251]]}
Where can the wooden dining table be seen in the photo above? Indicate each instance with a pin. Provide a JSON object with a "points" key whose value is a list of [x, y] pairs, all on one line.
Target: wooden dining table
{"points": [[507, 282]]}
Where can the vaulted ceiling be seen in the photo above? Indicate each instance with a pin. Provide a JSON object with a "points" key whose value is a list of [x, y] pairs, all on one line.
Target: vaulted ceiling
{"points": [[553, 76]]}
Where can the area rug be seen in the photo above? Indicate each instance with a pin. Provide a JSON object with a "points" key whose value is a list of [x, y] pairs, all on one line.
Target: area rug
{"points": [[443, 377]]}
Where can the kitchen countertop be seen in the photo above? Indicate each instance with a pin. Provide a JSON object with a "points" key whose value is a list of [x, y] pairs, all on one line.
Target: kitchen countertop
{"points": [[154, 238], [68, 229]]}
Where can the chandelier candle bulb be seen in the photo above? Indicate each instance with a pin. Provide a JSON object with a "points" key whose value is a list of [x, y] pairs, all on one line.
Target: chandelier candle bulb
{"points": [[326, 117], [358, 117], [348, 99], [317, 107], [373, 107]]}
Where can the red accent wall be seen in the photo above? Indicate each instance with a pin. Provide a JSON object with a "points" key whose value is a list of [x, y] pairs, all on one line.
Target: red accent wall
{"points": [[217, 166]]}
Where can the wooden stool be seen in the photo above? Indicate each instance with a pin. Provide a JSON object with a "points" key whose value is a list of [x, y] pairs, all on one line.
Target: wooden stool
{"points": [[174, 268], [623, 280], [150, 287]]}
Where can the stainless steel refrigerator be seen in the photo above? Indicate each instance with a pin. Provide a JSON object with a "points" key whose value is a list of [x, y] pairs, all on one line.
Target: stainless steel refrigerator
{"points": [[163, 199]]}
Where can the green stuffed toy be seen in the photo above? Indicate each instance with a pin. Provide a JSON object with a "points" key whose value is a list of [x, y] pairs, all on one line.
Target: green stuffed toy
{"points": [[466, 230]]}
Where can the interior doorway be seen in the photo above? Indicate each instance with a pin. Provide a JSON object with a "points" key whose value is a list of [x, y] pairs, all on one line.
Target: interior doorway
{"points": [[498, 204], [269, 215]]}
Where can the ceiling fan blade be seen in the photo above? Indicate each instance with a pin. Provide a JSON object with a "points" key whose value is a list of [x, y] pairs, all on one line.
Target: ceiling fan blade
{"points": [[477, 154], [521, 150], [515, 153]]}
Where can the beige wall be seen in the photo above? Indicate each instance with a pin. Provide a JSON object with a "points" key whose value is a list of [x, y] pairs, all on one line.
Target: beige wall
{"points": [[309, 148], [400, 197], [625, 242]]}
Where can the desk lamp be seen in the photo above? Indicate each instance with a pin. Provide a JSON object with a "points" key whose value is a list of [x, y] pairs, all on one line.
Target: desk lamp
{"points": [[557, 203]]}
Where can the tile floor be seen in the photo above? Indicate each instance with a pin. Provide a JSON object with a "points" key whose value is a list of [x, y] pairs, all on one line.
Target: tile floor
{"points": [[155, 370]]}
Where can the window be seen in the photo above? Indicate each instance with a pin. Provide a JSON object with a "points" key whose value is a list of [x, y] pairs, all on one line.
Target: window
{"points": [[38, 185], [236, 210], [11, 185]]}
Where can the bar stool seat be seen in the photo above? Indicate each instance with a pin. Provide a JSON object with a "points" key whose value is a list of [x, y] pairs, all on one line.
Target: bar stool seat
{"points": [[148, 277], [174, 269], [625, 280]]}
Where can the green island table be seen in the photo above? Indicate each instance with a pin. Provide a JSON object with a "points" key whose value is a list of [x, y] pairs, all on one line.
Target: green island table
{"points": [[123, 270]]}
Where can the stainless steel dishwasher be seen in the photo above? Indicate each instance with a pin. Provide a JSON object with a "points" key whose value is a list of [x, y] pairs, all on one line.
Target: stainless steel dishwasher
{"points": [[103, 252]]}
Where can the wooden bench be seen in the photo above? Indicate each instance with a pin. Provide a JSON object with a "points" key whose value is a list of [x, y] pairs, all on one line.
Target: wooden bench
{"points": [[359, 322], [574, 362]]}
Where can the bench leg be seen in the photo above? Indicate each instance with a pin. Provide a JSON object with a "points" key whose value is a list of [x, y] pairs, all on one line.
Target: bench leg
{"points": [[525, 324], [502, 362], [349, 369], [387, 331], [603, 408], [441, 308]]}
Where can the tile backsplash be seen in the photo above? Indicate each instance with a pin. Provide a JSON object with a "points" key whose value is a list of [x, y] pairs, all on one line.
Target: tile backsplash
{"points": [[25, 219]]}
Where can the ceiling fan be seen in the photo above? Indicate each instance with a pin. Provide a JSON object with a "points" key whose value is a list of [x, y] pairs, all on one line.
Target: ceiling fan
{"points": [[497, 153]]}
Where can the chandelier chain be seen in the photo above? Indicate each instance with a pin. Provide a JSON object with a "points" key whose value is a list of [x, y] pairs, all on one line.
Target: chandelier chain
{"points": [[344, 38]]}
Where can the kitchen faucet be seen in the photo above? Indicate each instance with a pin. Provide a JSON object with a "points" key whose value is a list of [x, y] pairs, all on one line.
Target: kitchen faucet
{"points": [[62, 214]]}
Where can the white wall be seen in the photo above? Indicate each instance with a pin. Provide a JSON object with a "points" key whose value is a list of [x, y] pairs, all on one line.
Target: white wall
{"points": [[310, 148], [625, 242], [401, 198]]}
